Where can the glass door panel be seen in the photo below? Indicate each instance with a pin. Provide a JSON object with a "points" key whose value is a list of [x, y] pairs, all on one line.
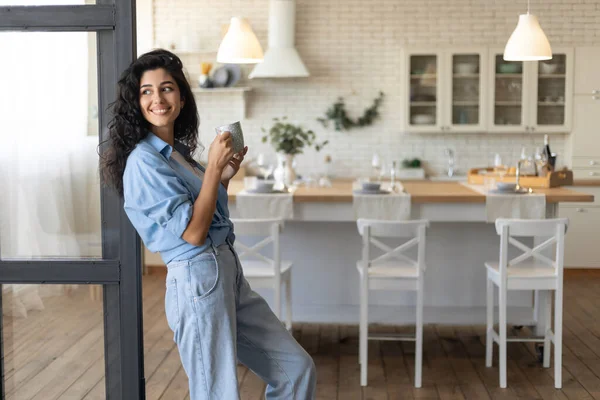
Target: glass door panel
{"points": [[508, 93], [53, 338], [551, 93], [50, 205], [423, 90], [466, 98]]}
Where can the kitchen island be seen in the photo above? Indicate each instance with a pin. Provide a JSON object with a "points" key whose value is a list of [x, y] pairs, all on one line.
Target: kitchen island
{"points": [[324, 244]]}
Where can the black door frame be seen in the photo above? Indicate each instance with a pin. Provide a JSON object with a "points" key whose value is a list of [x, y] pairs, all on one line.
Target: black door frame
{"points": [[119, 269]]}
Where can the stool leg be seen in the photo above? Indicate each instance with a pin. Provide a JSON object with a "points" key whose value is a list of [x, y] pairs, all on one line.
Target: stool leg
{"points": [[364, 329], [419, 335], [489, 340], [558, 322], [548, 314], [278, 299], [288, 301], [502, 329]]}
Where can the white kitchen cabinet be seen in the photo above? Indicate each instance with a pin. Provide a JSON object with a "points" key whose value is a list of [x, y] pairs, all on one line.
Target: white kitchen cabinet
{"points": [[581, 240], [445, 90], [530, 97], [585, 137], [587, 65]]}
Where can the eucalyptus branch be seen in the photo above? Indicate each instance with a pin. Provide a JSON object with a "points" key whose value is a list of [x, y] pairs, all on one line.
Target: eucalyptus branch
{"points": [[337, 113]]}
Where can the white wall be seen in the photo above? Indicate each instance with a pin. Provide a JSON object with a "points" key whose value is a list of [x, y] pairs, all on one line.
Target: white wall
{"points": [[352, 48]]}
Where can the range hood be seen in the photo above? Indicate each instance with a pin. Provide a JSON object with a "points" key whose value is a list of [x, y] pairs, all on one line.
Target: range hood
{"points": [[281, 59]]}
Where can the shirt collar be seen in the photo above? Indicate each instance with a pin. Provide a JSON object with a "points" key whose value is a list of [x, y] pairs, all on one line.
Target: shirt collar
{"points": [[159, 145]]}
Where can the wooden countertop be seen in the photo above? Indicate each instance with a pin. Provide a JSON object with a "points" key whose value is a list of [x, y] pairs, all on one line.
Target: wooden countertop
{"points": [[586, 182], [420, 191]]}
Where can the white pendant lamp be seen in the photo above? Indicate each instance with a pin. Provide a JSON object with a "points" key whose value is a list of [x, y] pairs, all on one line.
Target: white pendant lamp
{"points": [[240, 45], [528, 41]]}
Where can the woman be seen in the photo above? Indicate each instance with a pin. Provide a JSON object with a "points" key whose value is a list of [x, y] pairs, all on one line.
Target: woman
{"points": [[180, 209]]}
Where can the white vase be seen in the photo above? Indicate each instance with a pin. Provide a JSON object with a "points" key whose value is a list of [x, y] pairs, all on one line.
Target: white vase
{"points": [[284, 172], [290, 175]]}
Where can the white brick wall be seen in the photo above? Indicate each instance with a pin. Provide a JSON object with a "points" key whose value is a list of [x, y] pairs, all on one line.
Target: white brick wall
{"points": [[352, 49]]}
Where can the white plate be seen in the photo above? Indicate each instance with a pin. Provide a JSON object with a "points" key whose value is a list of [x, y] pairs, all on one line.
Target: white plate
{"points": [[522, 191], [258, 191], [379, 191]]}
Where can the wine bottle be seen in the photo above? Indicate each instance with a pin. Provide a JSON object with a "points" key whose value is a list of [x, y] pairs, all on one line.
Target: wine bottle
{"points": [[549, 160], [547, 152]]}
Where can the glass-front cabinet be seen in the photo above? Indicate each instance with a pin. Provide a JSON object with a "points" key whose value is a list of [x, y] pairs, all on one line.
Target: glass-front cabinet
{"points": [[423, 113], [445, 90], [532, 96], [553, 93], [465, 94], [508, 94]]}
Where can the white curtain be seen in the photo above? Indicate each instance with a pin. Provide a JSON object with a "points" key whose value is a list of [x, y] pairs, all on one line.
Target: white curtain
{"points": [[49, 200]]}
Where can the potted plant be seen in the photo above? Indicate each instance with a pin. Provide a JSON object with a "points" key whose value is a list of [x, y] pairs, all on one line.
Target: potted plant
{"points": [[288, 140]]}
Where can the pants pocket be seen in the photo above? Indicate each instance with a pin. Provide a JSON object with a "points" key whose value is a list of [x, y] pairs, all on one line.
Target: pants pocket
{"points": [[204, 277], [172, 305]]}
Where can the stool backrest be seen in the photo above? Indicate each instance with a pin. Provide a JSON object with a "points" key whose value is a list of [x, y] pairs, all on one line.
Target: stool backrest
{"points": [[553, 229], [371, 230], [268, 229]]}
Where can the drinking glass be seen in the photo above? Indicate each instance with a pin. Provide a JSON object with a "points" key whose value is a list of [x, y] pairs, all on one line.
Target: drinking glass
{"points": [[500, 168], [377, 166], [265, 168]]}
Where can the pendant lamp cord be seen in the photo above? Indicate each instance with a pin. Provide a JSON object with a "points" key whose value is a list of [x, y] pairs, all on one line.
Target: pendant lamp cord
{"points": [[527, 6]]}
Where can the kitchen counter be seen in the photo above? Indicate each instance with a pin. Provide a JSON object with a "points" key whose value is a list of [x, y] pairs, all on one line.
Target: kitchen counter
{"points": [[322, 241], [420, 191]]}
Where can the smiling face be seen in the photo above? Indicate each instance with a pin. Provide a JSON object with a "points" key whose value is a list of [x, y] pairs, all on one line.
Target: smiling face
{"points": [[160, 102]]}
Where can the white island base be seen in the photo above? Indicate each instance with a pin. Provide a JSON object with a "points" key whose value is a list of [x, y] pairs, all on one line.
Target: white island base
{"points": [[324, 245]]}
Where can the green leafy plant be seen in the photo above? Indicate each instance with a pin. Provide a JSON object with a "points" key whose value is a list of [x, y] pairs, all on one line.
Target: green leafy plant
{"points": [[414, 163], [290, 139], [337, 113]]}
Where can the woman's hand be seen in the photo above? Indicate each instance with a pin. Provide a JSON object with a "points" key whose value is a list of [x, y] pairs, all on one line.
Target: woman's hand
{"points": [[233, 166], [220, 152]]}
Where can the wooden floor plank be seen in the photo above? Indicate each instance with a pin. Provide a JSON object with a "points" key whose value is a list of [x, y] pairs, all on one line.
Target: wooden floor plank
{"points": [[328, 361], [349, 370], [178, 388]]}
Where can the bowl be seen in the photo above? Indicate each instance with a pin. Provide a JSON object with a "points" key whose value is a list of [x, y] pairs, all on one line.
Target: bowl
{"points": [[546, 68], [509, 68], [506, 186], [263, 186], [423, 119], [465, 68], [371, 186]]}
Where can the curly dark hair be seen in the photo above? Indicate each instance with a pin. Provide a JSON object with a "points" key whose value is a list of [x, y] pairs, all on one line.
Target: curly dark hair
{"points": [[128, 126]]}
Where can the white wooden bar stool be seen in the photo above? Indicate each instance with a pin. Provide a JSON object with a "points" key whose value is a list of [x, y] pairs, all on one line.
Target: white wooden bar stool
{"points": [[260, 270], [521, 273], [393, 270]]}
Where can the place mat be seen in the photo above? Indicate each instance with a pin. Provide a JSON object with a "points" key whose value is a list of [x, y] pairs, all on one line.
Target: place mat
{"points": [[507, 205], [394, 206], [265, 205]]}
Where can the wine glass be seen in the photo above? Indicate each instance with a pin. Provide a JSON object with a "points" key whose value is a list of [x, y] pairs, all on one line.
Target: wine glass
{"points": [[377, 165], [499, 167], [265, 168]]}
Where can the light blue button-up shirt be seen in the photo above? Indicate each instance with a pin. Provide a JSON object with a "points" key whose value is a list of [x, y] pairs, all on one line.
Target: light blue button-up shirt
{"points": [[159, 200]]}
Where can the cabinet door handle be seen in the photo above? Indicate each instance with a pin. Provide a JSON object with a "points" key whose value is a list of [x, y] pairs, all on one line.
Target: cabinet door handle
{"points": [[595, 91], [592, 173], [592, 162], [532, 128], [580, 210], [595, 97]]}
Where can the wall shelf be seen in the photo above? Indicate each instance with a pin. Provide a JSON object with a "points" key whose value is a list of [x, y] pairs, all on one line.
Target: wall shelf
{"points": [[233, 89], [240, 90]]}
